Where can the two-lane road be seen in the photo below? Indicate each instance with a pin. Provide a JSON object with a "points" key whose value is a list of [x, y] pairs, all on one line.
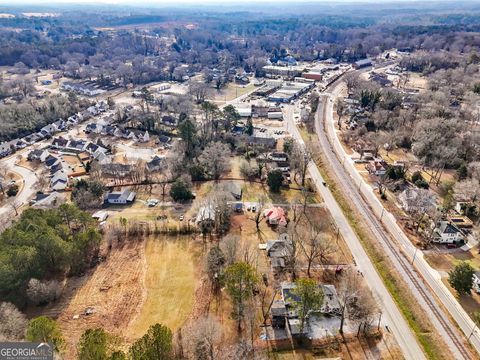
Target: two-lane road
{"points": [[424, 281], [390, 313]]}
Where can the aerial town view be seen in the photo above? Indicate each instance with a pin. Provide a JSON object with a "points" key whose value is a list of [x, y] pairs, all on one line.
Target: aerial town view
{"points": [[226, 180]]}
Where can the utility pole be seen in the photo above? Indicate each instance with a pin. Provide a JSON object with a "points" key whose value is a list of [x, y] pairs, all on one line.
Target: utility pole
{"points": [[414, 255]]}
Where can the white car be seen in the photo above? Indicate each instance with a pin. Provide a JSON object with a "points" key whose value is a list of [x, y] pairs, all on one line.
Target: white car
{"points": [[152, 202]]}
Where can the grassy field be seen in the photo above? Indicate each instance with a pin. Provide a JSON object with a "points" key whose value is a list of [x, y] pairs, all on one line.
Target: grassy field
{"points": [[230, 92], [169, 285]]}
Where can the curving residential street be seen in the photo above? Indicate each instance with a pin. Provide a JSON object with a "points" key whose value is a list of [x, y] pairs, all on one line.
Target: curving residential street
{"points": [[28, 189]]}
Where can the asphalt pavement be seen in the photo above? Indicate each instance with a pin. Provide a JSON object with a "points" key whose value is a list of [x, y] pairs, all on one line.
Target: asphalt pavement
{"points": [[423, 279], [391, 315]]}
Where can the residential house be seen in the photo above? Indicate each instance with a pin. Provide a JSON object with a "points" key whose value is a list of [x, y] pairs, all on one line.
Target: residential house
{"points": [[20, 144], [48, 201], [108, 130], [119, 197], [376, 167], [265, 142], [59, 181], [446, 232], [284, 166], [275, 216], [476, 282], [164, 139], [278, 251], [49, 130], [169, 120], [155, 164], [77, 145], [60, 124], [93, 148], [5, 150], [37, 154], [101, 157], [93, 128], [59, 143], [50, 160], [331, 304], [278, 156]]}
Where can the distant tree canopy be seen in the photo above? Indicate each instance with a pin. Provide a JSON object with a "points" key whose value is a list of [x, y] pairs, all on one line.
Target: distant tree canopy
{"points": [[17, 120], [43, 243]]}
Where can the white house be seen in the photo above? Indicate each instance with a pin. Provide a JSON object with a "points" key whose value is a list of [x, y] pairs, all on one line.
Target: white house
{"points": [[278, 156], [120, 197], [447, 233], [145, 137], [376, 167], [476, 282]]}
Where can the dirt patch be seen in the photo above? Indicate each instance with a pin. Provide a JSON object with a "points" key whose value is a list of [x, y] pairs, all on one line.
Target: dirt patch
{"points": [[113, 290]]}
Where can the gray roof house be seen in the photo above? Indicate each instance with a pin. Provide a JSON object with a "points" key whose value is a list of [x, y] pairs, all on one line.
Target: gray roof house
{"points": [[120, 197]]}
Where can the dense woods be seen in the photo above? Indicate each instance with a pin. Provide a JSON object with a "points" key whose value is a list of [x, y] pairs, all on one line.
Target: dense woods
{"points": [[44, 245]]}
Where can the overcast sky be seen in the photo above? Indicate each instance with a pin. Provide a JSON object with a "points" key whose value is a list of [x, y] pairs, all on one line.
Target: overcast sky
{"points": [[173, 2]]}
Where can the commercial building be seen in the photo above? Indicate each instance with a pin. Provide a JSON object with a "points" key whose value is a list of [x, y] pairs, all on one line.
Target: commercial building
{"points": [[289, 91]]}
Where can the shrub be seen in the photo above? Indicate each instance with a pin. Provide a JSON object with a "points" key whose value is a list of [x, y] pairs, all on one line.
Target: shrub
{"points": [[180, 191], [12, 190], [422, 184], [275, 180]]}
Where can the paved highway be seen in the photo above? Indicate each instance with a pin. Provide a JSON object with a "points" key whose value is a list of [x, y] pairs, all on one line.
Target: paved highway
{"points": [[390, 313], [423, 280]]}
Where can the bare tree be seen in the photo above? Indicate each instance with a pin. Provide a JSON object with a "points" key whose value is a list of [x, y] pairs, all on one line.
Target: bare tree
{"points": [[347, 294], [230, 248], [15, 205], [259, 208], [341, 110], [418, 203], [352, 81], [12, 322], [42, 292], [363, 308], [300, 158], [317, 246], [293, 250], [215, 159], [199, 91], [206, 337]]}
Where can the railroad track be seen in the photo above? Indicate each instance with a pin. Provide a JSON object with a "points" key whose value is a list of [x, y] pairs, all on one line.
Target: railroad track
{"points": [[357, 198]]}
